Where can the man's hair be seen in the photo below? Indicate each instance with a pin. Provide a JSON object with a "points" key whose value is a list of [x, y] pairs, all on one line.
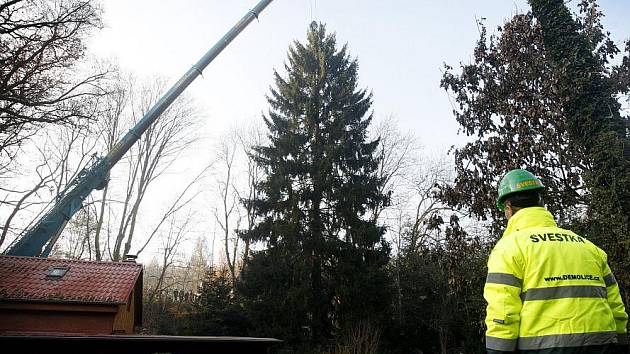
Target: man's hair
{"points": [[525, 199]]}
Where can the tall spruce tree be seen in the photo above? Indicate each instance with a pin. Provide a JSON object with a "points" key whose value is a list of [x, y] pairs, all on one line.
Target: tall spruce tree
{"points": [[322, 266]]}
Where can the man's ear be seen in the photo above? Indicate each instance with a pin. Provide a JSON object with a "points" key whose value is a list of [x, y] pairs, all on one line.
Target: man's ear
{"points": [[508, 209]]}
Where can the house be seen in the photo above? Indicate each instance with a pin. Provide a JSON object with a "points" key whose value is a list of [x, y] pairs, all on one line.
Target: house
{"points": [[62, 296]]}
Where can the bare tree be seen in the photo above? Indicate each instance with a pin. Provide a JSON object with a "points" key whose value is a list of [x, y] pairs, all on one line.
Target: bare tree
{"points": [[411, 178], [75, 150], [229, 200], [157, 149], [155, 152], [429, 175], [41, 45], [397, 154], [198, 264], [76, 239], [171, 280], [59, 154], [22, 199], [111, 123], [171, 241], [249, 139], [236, 179], [182, 200]]}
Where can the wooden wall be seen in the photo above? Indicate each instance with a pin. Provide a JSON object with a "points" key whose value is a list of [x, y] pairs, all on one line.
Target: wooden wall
{"points": [[124, 320], [47, 318]]}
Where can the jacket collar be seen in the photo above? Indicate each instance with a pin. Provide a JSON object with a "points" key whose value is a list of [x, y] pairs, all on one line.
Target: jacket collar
{"points": [[529, 217]]}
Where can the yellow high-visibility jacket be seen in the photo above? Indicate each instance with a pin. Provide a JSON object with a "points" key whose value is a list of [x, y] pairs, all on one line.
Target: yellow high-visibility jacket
{"points": [[550, 288]]}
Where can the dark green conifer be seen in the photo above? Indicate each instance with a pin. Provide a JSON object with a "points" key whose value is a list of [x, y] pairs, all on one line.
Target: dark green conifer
{"points": [[322, 266]]}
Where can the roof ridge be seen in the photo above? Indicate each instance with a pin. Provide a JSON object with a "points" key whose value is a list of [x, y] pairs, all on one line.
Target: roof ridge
{"points": [[70, 260]]}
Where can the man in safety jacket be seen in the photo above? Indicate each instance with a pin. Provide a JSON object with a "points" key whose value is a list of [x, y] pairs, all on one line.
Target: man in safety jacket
{"points": [[548, 289]]}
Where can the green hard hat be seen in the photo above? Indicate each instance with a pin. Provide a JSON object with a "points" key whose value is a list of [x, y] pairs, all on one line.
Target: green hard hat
{"points": [[517, 181]]}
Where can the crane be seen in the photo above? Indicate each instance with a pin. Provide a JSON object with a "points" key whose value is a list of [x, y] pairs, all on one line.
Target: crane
{"points": [[47, 229]]}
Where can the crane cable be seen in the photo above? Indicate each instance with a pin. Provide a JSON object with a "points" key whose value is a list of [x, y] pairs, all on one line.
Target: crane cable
{"points": [[313, 5]]}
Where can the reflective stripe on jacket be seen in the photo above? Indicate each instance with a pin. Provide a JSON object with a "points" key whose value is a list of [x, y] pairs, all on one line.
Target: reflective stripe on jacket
{"points": [[549, 288]]}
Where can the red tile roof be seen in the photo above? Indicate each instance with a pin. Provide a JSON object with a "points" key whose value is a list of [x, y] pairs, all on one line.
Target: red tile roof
{"points": [[26, 279]]}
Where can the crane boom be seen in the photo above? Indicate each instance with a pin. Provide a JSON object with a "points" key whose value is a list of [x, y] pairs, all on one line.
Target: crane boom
{"points": [[48, 228]]}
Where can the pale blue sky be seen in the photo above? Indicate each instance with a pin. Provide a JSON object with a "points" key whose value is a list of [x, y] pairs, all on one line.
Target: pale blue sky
{"points": [[401, 46]]}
